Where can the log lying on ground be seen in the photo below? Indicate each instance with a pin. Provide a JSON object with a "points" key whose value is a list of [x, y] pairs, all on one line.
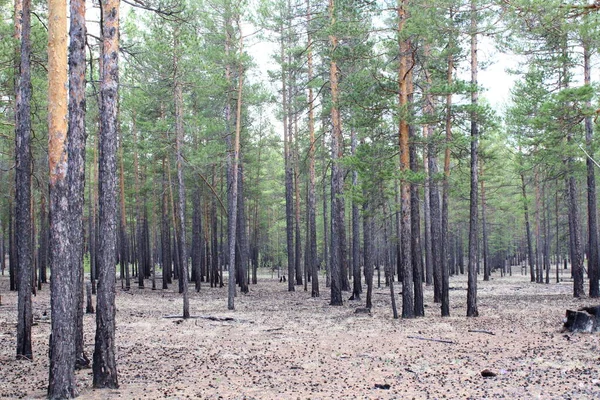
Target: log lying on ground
{"points": [[586, 319]]}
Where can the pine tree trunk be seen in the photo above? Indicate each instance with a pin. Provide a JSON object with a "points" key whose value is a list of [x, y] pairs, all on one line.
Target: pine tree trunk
{"points": [[337, 191], [23, 226], [594, 258], [124, 246], [76, 159], [233, 206], [538, 239], [242, 236], [367, 254], [311, 201], [289, 204], [528, 230], [43, 244], [165, 233], [197, 239], [472, 310], [356, 282], [65, 261], [179, 131], [429, 272], [104, 366], [446, 186], [405, 188], [486, 261]]}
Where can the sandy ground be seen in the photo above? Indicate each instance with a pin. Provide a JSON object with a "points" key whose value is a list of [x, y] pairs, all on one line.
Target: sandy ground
{"points": [[284, 345]]}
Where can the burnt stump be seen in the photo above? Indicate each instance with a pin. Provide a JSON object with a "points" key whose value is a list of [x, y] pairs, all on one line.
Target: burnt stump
{"points": [[585, 319]]}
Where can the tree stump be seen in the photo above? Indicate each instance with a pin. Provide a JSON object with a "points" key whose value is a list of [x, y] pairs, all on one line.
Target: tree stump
{"points": [[586, 319]]}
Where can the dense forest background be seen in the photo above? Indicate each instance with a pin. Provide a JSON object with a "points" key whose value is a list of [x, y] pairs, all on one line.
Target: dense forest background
{"points": [[367, 149]]}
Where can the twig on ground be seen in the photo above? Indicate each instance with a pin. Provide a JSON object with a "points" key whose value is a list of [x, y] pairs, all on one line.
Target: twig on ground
{"points": [[481, 331], [432, 340]]}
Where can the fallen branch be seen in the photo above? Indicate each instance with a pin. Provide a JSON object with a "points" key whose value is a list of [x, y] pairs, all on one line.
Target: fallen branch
{"points": [[209, 317], [481, 331], [274, 329], [432, 340]]}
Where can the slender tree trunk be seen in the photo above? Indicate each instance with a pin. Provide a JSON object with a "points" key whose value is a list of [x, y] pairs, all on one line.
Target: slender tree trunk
{"points": [[23, 226], [326, 238], [124, 247], [577, 251], [429, 272], [337, 184], [242, 236], [434, 203], [298, 241], [528, 230], [105, 365], [289, 202], [43, 244], [233, 211], [166, 232], [486, 256], [356, 282], [405, 188], [179, 131], [472, 310], [538, 239], [446, 184], [76, 158], [367, 254], [311, 206], [197, 238], [594, 260]]}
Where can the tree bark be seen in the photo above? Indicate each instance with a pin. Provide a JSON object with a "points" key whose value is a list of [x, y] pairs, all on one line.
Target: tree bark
{"points": [[356, 282], [233, 211], [337, 179], [594, 259], [446, 184], [486, 256], [289, 202], [179, 131], [528, 230], [367, 252], [23, 226], [312, 218], [472, 310], [76, 158], [105, 366], [405, 192]]}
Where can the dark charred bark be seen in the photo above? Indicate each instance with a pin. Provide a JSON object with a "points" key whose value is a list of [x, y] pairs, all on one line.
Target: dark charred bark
{"points": [[577, 251], [436, 227], [356, 282], [594, 258], [337, 179], [197, 239], [165, 234], [472, 310], [367, 253], [42, 247], [242, 236], [415, 240], [23, 226], [104, 367], [486, 256], [311, 200], [530, 258]]}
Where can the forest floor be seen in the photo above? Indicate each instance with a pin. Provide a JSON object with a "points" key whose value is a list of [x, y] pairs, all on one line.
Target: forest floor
{"points": [[287, 345]]}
